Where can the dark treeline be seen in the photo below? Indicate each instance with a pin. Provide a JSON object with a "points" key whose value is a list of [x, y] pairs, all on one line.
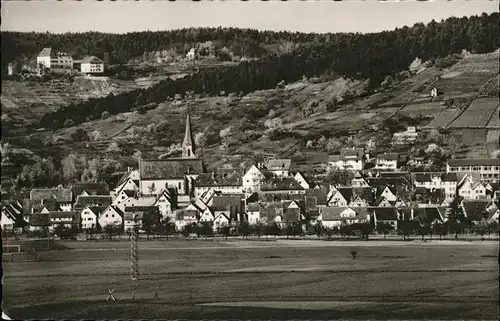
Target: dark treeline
{"points": [[368, 56], [124, 47]]}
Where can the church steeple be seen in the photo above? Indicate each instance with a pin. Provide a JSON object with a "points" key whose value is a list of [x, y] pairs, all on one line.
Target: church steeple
{"points": [[188, 147]]}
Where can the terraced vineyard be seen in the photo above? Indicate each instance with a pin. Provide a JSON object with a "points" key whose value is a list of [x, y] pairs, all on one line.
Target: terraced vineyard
{"points": [[490, 88], [477, 115], [492, 141], [495, 120], [445, 117], [431, 109]]}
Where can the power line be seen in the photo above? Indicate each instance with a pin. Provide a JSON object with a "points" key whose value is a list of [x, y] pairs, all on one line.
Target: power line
{"points": [[134, 255]]}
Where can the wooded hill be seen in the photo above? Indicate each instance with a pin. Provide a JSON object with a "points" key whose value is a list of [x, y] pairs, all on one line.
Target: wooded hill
{"points": [[361, 56], [124, 47]]}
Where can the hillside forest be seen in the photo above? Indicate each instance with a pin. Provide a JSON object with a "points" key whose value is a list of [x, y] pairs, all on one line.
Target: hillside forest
{"points": [[357, 56]]}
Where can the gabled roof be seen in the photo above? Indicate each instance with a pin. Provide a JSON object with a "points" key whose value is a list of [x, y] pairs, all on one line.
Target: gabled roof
{"points": [[226, 178], [91, 60], [321, 195], [39, 219], [352, 153], [51, 205], [449, 177], [346, 192], [279, 164], [359, 175], [389, 181], [494, 186], [97, 210], [388, 156], [13, 211], [90, 188], [46, 52], [473, 162], [399, 174], [282, 183], [130, 216], [332, 213], [228, 203], [379, 200], [62, 195], [385, 213], [381, 189], [169, 168], [291, 215], [75, 216], [115, 209], [168, 193], [476, 210], [427, 214], [130, 193], [92, 200], [422, 177], [139, 209]]}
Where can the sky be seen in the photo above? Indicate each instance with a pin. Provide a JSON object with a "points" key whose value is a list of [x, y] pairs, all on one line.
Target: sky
{"points": [[306, 16]]}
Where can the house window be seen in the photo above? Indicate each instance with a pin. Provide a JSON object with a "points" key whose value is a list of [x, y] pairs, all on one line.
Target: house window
{"points": [[180, 186], [106, 215]]}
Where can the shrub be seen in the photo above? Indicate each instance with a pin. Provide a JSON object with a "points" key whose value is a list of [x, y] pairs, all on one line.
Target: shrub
{"points": [[69, 123], [332, 104], [104, 115]]}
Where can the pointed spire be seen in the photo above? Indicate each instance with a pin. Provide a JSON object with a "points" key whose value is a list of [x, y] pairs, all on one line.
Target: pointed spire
{"points": [[188, 147]]}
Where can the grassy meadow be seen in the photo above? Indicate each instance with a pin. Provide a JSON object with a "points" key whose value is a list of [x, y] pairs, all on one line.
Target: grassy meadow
{"points": [[276, 279]]}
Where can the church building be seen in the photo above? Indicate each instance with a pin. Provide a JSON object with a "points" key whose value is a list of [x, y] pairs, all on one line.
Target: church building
{"points": [[156, 175]]}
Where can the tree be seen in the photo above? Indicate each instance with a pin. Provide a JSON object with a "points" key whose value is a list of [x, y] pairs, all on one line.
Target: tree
{"points": [[440, 229], [110, 231], [272, 229], [319, 230], [423, 228], [69, 167], [150, 220], [492, 227], [332, 104], [481, 228], [345, 230], [80, 135], [258, 228], [364, 228], [329, 232], [384, 228], [166, 226], [225, 230], [339, 177], [405, 228], [204, 229], [243, 229], [310, 107]]}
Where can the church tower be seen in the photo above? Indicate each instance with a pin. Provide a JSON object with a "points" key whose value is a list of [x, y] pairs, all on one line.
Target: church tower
{"points": [[188, 148]]}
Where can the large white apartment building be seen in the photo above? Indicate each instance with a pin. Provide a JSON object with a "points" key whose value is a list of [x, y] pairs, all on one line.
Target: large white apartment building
{"points": [[54, 60], [488, 169]]}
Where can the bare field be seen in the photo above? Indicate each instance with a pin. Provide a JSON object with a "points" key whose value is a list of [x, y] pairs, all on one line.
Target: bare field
{"points": [[221, 280]]}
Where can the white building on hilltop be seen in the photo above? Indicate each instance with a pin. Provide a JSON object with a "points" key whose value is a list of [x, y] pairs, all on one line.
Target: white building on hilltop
{"points": [[54, 60], [92, 65]]}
